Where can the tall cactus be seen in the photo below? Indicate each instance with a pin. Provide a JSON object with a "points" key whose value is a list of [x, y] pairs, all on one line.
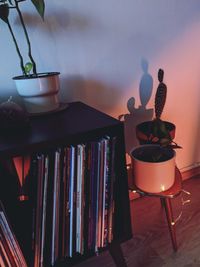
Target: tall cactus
{"points": [[161, 95], [160, 132]]}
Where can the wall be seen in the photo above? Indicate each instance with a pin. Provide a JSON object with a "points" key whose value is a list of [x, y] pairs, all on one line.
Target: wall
{"points": [[107, 51]]}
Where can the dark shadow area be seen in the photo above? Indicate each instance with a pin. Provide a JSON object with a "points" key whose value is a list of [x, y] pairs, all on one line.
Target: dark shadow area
{"points": [[72, 87], [140, 114], [54, 21], [91, 92], [117, 254]]}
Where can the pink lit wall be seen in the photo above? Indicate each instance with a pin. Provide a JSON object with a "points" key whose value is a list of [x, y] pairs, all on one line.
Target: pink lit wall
{"points": [[100, 48]]}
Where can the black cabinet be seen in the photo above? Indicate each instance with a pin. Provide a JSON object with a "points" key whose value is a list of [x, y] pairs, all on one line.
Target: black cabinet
{"points": [[77, 124]]}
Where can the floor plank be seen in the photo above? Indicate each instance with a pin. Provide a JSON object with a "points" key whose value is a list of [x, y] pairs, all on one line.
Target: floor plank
{"points": [[151, 245]]}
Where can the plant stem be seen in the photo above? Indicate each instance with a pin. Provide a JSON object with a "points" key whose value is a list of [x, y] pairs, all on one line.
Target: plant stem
{"points": [[17, 48], [27, 37]]}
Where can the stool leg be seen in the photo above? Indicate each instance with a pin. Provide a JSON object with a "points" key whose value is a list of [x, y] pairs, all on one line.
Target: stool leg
{"points": [[170, 220], [162, 202]]}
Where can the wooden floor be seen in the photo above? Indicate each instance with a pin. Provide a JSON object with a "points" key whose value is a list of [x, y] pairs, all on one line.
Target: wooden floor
{"points": [[151, 244]]}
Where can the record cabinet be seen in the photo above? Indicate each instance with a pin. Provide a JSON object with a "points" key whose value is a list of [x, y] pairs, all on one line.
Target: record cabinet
{"points": [[83, 205]]}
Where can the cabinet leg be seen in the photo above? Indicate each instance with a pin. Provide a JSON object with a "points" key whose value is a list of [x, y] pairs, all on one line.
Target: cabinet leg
{"points": [[170, 220]]}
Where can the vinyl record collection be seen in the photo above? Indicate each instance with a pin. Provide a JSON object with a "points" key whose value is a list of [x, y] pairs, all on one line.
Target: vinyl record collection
{"points": [[71, 191], [10, 252]]}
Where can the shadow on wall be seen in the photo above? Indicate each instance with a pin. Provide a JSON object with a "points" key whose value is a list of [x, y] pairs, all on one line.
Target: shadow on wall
{"points": [[72, 88], [140, 114], [57, 21], [91, 92]]}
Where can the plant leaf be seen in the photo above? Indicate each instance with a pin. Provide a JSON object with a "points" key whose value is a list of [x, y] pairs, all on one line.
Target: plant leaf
{"points": [[164, 141], [40, 7], [175, 146], [28, 67], [160, 75], [4, 12]]}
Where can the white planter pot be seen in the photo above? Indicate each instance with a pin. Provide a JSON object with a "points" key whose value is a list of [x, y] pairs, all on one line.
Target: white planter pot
{"points": [[40, 93], [153, 177]]}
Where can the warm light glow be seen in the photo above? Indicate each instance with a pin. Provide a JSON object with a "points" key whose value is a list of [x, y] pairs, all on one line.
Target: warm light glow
{"points": [[180, 60], [162, 188], [23, 198], [22, 167]]}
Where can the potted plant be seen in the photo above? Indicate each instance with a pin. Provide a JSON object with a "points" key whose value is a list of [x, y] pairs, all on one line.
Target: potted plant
{"points": [[153, 167], [39, 90], [157, 131], [153, 162]]}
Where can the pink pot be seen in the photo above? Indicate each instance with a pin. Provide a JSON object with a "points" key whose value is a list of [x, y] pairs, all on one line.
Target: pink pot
{"points": [[150, 176]]}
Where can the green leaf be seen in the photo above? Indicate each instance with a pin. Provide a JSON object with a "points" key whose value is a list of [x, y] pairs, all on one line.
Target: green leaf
{"points": [[4, 12], [28, 67], [40, 7], [164, 141]]}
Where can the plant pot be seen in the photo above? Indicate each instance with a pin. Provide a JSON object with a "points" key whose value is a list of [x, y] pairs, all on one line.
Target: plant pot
{"points": [[144, 131], [39, 93], [150, 175]]}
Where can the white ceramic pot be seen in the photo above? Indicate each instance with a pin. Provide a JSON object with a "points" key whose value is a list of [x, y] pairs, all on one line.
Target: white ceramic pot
{"points": [[40, 93], [153, 177]]}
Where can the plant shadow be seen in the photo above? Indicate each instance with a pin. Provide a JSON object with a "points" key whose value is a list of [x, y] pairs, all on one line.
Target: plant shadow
{"points": [[140, 114]]}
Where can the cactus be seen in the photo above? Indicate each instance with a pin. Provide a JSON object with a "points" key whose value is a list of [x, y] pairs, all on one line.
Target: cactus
{"points": [[159, 130], [161, 95], [160, 133]]}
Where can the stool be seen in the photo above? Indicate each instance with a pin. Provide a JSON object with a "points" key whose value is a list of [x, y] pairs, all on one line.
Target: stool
{"points": [[165, 198]]}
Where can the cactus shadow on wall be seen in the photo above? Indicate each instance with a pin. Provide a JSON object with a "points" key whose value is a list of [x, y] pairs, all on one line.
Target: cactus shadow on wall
{"points": [[140, 114]]}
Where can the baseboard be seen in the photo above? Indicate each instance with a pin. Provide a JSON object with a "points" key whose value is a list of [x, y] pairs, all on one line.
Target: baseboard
{"points": [[190, 173], [185, 175]]}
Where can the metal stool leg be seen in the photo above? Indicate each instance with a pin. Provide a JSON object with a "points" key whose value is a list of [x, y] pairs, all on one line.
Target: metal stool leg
{"points": [[170, 220], [162, 202]]}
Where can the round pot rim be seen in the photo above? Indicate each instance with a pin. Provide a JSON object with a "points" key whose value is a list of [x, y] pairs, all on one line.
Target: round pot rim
{"points": [[152, 162], [139, 125], [38, 75]]}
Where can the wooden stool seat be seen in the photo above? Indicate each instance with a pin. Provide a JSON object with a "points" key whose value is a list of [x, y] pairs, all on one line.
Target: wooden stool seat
{"points": [[165, 198]]}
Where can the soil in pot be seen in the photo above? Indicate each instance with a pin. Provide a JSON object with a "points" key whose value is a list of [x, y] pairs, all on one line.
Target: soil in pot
{"points": [[144, 131], [153, 153]]}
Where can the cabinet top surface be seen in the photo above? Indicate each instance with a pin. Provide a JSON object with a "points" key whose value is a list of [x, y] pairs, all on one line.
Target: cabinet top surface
{"points": [[76, 120]]}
